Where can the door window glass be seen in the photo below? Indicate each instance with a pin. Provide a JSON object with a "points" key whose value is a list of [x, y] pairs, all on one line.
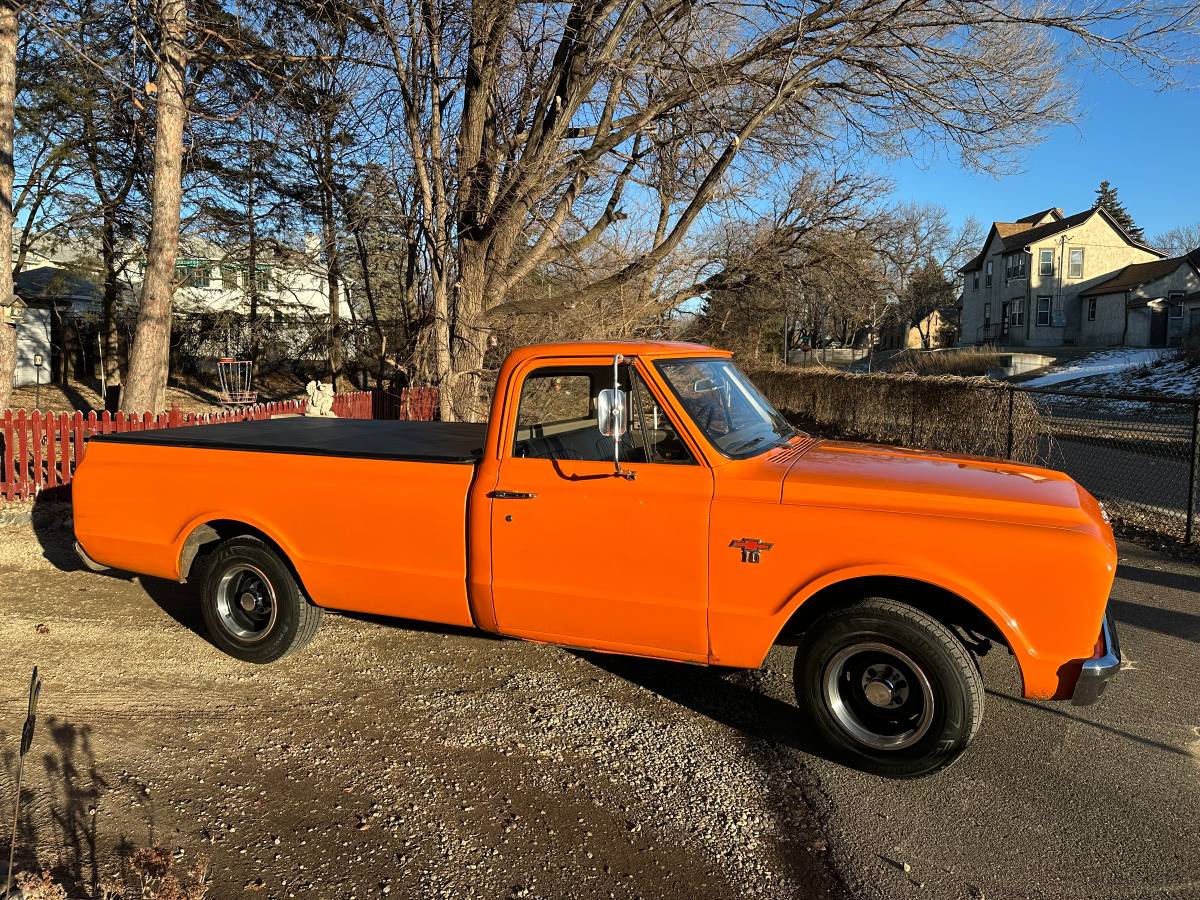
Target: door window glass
{"points": [[557, 418]]}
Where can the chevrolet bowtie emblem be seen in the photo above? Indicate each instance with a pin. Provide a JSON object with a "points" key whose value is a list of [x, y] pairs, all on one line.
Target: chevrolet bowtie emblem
{"points": [[752, 549]]}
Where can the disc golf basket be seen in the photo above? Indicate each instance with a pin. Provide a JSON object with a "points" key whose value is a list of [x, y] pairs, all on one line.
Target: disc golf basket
{"points": [[237, 376]]}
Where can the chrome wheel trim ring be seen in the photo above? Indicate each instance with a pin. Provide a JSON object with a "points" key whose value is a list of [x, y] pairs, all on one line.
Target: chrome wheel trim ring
{"points": [[231, 612], [850, 722]]}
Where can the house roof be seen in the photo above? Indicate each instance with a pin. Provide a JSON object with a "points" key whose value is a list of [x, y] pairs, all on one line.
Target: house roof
{"points": [[1020, 234], [46, 283], [1055, 211], [1137, 274]]}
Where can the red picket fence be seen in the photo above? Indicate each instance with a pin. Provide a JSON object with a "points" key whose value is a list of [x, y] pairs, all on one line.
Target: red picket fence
{"points": [[42, 450], [420, 404]]}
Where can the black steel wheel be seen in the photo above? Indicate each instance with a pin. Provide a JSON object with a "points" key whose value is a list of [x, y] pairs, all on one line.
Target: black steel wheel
{"points": [[252, 604], [889, 687]]}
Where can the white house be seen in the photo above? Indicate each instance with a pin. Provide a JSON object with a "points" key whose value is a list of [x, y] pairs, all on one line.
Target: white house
{"points": [[62, 288]]}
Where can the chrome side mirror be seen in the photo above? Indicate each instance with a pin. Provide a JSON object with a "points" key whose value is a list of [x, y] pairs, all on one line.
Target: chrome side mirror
{"points": [[610, 411]]}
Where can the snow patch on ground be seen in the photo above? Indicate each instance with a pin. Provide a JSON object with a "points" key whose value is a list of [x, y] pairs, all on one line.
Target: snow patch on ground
{"points": [[1172, 377], [1104, 362]]}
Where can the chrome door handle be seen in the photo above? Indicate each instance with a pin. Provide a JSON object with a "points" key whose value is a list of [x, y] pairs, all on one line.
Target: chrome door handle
{"points": [[512, 495]]}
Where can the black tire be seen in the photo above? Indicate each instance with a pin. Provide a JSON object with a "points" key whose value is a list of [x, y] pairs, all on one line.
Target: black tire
{"points": [[889, 688], [252, 604]]}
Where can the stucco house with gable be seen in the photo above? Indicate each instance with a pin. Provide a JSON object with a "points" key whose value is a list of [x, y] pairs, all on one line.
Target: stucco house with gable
{"points": [[1151, 304], [1031, 284]]}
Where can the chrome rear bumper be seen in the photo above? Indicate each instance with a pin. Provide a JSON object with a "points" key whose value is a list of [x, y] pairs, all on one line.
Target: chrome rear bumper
{"points": [[1096, 672], [87, 560]]}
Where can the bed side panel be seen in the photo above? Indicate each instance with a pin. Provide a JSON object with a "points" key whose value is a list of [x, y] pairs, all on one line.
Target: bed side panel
{"points": [[366, 535]]}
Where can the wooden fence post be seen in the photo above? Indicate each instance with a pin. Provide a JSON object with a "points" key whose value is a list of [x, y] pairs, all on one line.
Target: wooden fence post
{"points": [[22, 454], [38, 451], [9, 456]]}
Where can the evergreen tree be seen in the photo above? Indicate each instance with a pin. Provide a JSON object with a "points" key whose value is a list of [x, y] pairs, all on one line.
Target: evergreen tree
{"points": [[1106, 197]]}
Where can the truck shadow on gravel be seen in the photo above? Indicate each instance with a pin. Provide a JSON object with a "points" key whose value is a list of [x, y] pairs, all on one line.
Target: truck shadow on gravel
{"points": [[726, 696]]}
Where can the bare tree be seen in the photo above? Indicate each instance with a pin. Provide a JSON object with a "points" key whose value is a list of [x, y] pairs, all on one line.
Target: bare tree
{"points": [[563, 109], [920, 250], [8, 98], [146, 382], [1180, 240]]}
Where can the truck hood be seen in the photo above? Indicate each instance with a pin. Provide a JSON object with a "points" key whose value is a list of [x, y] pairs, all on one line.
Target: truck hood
{"points": [[869, 476]]}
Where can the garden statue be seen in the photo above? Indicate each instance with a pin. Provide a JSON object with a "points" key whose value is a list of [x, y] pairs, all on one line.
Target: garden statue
{"points": [[320, 400]]}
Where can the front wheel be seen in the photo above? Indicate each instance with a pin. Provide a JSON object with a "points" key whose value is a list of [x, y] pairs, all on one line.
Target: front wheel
{"points": [[889, 687], [252, 604]]}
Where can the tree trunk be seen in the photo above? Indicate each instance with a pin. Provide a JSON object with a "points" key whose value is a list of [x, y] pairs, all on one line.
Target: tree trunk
{"points": [[467, 341], [146, 380], [110, 335], [8, 96]]}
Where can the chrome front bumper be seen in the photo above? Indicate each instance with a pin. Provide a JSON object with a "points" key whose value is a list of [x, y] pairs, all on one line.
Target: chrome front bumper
{"points": [[1096, 672]]}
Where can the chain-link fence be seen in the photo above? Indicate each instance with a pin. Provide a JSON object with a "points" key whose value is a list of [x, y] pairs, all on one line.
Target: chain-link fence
{"points": [[1139, 454], [1136, 453]]}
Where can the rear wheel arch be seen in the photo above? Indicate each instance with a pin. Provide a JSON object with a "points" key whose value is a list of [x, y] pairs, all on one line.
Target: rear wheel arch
{"points": [[207, 535]]}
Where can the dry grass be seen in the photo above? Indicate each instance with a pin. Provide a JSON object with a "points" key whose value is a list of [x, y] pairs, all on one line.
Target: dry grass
{"points": [[961, 361], [1189, 347], [958, 415]]}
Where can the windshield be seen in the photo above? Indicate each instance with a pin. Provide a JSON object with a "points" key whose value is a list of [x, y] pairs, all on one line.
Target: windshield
{"points": [[726, 406]]}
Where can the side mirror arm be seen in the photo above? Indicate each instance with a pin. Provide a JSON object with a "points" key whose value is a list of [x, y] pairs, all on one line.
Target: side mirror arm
{"points": [[620, 473]]}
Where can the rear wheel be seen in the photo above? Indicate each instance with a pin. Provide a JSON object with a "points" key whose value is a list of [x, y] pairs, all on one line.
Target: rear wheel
{"points": [[889, 687], [252, 604]]}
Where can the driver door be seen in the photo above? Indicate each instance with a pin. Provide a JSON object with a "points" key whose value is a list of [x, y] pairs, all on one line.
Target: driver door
{"points": [[581, 556]]}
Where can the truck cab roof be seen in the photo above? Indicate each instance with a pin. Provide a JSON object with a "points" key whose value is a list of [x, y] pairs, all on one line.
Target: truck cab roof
{"points": [[611, 348]]}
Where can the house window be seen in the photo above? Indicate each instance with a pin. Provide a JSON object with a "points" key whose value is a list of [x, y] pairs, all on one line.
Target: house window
{"points": [[975, 280], [1043, 311], [229, 278], [192, 272], [1091, 309], [988, 279], [1008, 264], [262, 278], [1016, 314], [1075, 263], [987, 313], [1046, 262], [1175, 304]]}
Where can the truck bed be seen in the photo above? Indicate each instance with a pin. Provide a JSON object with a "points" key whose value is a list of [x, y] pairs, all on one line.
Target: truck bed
{"points": [[440, 442]]}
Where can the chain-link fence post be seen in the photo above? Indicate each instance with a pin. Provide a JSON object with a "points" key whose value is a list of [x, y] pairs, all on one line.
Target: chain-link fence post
{"points": [[1194, 462], [1009, 446]]}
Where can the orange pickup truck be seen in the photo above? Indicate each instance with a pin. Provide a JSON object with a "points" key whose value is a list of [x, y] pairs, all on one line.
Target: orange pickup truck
{"points": [[638, 498]]}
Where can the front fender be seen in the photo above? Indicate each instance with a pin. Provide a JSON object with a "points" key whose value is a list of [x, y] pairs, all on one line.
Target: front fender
{"points": [[967, 590]]}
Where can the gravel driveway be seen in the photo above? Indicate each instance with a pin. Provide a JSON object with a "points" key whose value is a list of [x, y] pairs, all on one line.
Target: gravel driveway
{"points": [[408, 761], [421, 762]]}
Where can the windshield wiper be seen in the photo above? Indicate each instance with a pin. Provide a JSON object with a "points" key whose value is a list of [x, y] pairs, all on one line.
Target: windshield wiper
{"points": [[753, 442]]}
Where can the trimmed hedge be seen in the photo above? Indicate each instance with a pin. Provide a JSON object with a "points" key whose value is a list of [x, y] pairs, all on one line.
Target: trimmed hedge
{"points": [[946, 412]]}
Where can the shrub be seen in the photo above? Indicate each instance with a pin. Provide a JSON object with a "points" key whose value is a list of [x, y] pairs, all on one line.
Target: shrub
{"points": [[963, 361], [947, 413], [1189, 347]]}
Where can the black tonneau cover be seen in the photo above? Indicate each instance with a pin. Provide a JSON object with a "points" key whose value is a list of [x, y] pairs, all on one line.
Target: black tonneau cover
{"points": [[443, 442]]}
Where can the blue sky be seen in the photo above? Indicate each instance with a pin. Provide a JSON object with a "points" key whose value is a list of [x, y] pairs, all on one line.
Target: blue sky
{"points": [[1146, 143]]}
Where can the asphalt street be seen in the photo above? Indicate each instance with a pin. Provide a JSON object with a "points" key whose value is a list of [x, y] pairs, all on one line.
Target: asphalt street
{"points": [[1052, 800]]}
